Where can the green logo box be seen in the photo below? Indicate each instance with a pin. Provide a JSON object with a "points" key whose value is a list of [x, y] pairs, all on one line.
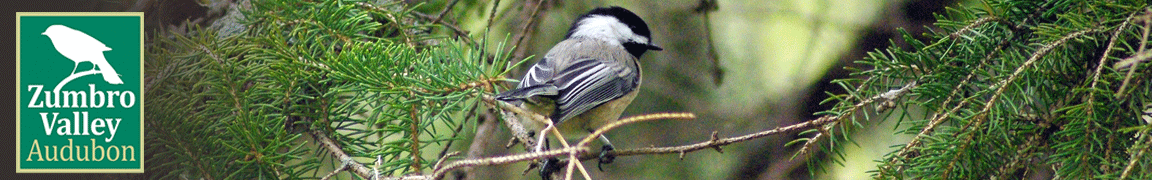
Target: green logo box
{"points": [[79, 86]]}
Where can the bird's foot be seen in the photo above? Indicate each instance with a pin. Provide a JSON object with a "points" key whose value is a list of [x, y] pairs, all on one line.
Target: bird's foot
{"points": [[549, 167], [605, 158]]}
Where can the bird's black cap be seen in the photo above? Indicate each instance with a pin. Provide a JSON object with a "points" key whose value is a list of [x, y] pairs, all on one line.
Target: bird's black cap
{"points": [[630, 19]]}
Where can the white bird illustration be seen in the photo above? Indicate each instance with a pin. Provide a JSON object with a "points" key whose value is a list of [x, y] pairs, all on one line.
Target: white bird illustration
{"points": [[80, 47]]}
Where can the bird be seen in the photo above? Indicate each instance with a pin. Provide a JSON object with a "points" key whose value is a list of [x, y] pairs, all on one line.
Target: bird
{"points": [[586, 80], [80, 47]]}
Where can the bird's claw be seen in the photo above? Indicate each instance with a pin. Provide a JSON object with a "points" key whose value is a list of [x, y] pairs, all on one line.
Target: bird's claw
{"points": [[605, 158], [548, 167]]}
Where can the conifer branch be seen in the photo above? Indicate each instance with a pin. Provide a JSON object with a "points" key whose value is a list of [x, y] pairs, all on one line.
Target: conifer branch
{"points": [[887, 96], [1096, 79], [969, 27], [938, 118], [1138, 155], [1024, 152], [1103, 58], [982, 116]]}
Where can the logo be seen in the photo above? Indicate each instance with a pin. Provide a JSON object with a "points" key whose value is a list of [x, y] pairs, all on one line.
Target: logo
{"points": [[79, 84]]}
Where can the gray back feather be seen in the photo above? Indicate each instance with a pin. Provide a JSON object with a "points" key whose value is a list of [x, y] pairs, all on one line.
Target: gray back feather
{"points": [[587, 72]]}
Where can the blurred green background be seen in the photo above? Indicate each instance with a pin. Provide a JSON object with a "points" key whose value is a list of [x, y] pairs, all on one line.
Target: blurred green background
{"points": [[767, 65]]}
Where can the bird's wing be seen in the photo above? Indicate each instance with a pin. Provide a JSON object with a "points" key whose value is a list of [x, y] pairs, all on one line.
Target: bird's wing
{"points": [[537, 82], [540, 73], [587, 83]]}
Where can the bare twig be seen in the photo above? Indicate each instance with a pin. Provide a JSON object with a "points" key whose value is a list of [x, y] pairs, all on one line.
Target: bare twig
{"points": [[445, 11], [440, 162], [715, 142], [518, 131], [1132, 61], [506, 159], [580, 150], [531, 21], [343, 166], [894, 94], [633, 119], [338, 152], [352, 165], [1143, 42]]}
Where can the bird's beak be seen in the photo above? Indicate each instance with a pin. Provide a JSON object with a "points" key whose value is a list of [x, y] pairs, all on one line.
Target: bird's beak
{"points": [[653, 46]]}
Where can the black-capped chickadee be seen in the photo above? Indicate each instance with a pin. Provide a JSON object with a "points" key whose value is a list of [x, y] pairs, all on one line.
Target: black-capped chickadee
{"points": [[587, 80]]}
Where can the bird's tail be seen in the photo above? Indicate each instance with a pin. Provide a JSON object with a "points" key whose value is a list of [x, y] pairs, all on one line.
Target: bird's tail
{"points": [[527, 92], [109, 74]]}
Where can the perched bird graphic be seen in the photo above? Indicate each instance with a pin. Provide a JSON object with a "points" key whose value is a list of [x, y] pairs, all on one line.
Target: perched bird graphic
{"points": [[80, 47]]}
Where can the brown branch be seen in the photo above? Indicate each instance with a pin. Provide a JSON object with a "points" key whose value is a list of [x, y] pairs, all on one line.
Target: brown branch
{"points": [[581, 149], [633, 119], [714, 142], [518, 131], [338, 152], [815, 138], [440, 162], [445, 11], [351, 164], [484, 83], [414, 136], [888, 96], [506, 159]]}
